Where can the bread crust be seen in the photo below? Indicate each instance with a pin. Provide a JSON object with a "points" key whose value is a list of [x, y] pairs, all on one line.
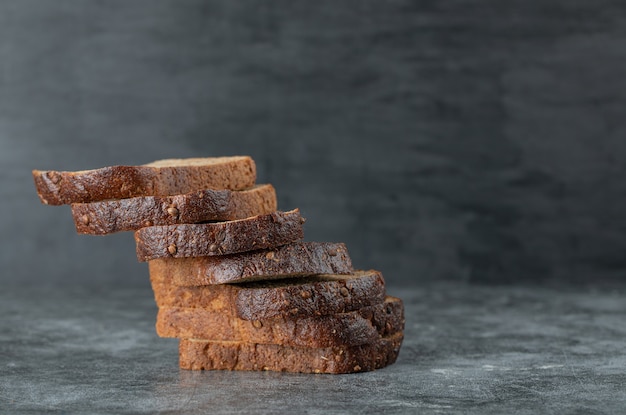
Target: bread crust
{"points": [[206, 355], [161, 178], [223, 238], [295, 297], [109, 216], [297, 259], [352, 328]]}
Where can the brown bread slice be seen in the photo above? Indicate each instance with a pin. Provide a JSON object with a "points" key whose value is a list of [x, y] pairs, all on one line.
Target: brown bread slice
{"points": [[207, 355], [351, 328], [160, 178], [206, 239], [308, 296], [108, 216], [292, 260]]}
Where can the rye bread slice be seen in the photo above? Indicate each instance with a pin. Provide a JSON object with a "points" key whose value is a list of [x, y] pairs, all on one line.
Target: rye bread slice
{"points": [[299, 297], [160, 178], [292, 260], [109, 216], [207, 239], [207, 355], [351, 328]]}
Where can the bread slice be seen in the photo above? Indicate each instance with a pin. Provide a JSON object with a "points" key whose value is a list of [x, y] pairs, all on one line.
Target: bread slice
{"points": [[197, 354], [297, 297], [294, 260], [109, 216], [351, 328], [160, 178], [206, 239]]}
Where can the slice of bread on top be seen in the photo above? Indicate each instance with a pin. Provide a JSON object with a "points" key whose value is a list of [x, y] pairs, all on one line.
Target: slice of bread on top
{"points": [[159, 178]]}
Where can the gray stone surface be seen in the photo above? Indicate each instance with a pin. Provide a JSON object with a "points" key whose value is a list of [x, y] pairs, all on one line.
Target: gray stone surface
{"points": [[92, 349]]}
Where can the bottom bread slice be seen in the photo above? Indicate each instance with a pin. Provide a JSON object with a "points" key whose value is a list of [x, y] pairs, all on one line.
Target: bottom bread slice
{"points": [[197, 354]]}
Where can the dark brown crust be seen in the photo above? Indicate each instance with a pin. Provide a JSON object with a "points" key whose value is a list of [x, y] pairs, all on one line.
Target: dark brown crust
{"points": [[203, 355], [120, 182], [206, 239], [352, 328], [293, 260], [387, 319], [109, 216], [307, 296]]}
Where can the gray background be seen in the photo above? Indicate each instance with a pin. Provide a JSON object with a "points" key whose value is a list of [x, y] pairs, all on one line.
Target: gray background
{"points": [[474, 141], [445, 141]]}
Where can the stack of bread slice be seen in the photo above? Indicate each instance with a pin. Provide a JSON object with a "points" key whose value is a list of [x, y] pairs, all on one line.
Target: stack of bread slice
{"points": [[232, 278]]}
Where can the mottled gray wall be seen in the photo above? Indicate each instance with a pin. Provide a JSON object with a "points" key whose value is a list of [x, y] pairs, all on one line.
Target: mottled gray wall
{"points": [[466, 140]]}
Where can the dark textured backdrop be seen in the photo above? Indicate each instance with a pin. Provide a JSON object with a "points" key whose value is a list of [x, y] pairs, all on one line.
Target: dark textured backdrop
{"points": [[480, 141]]}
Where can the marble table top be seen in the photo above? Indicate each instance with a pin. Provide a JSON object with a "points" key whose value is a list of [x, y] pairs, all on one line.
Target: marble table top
{"points": [[467, 349]]}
